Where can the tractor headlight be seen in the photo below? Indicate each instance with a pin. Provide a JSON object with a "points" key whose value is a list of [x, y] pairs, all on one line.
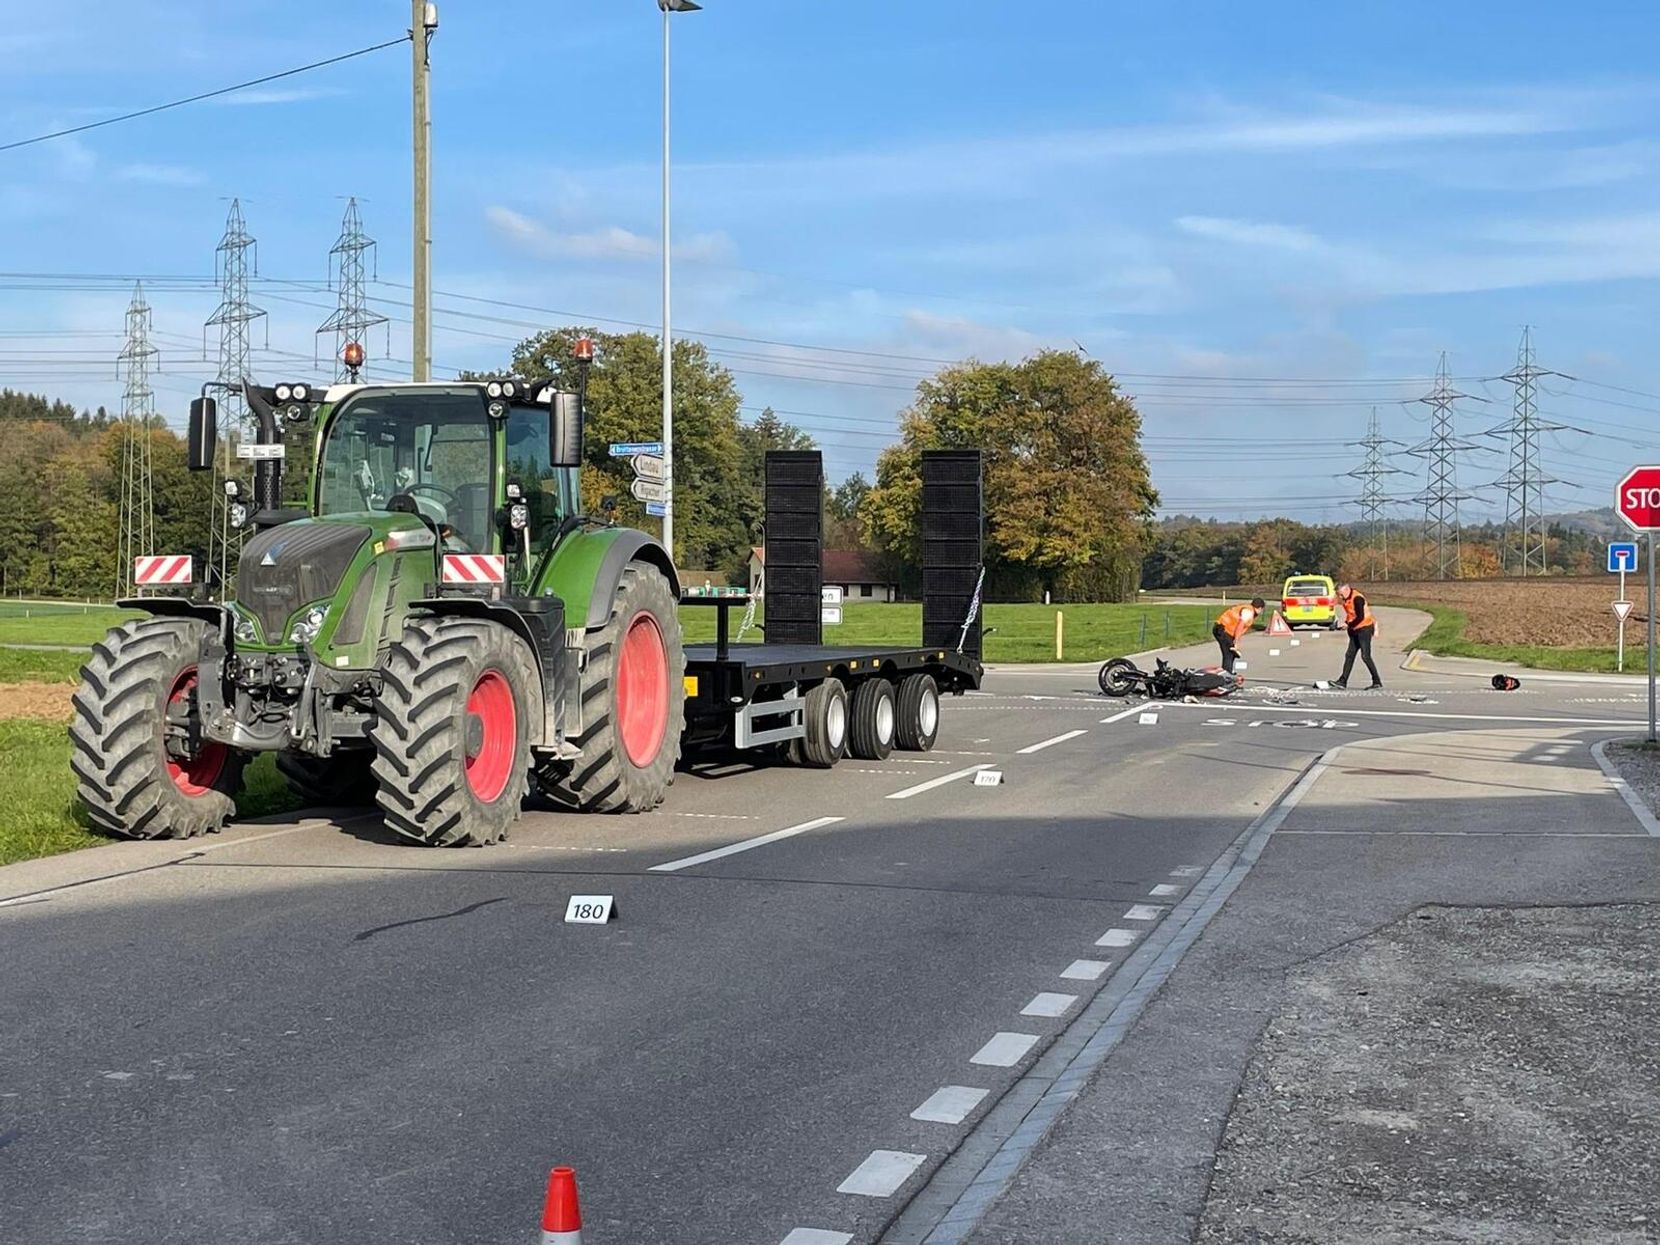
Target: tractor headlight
{"points": [[518, 516], [497, 409], [305, 631], [238, 514], [242, 626]]}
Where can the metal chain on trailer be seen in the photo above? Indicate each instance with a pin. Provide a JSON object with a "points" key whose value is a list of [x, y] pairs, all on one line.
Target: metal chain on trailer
{"points": [[749, 610], [973, 611]]}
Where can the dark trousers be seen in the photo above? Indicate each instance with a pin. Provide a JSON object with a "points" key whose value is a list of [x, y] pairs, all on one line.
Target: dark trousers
{"points": [[1229, 652], [1360, 641]]}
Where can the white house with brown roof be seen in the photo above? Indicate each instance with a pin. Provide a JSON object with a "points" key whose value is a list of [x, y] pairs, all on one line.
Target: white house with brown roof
{"points": [[856, 573]]}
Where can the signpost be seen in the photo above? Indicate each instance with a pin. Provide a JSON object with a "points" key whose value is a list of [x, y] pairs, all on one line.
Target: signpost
{"points": [[656, 509], [830, 605], [1637, 500], [627, 449], [1622, 557], [649, 490], [651, 467]]}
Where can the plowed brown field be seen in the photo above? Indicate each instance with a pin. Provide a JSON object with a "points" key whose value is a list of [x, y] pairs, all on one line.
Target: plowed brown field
{"points": [[1558, 613]]}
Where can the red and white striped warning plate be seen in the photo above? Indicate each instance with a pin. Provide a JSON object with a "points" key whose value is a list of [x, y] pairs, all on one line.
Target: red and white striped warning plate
{"points": [[475, 568], [166, 568]]}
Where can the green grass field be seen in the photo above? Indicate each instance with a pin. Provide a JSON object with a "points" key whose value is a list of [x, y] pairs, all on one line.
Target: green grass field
{"points": [[1018, 633], [29, 622], [37, 792], [1444, 637], [22, 665]]}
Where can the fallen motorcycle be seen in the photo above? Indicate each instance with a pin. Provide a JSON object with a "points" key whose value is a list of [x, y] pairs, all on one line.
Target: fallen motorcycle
{"points": [[1122, 677]]}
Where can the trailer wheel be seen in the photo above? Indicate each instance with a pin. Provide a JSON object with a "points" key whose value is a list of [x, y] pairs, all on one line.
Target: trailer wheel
{"points": [[919, 713], [141, 767], [875, 713], [633, 696], [343, 780], [451, 732], [825, 714]]}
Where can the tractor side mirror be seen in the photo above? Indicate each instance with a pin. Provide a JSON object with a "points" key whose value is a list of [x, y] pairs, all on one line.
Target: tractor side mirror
{"points": [[565, 431], [203, 435]]}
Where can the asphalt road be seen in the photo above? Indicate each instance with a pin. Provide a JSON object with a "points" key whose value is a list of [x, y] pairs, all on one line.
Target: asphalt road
{"points": [[310, 1033]]}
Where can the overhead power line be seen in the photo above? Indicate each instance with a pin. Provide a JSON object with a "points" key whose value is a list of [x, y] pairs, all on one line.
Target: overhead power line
{"points": [[196, 99]]}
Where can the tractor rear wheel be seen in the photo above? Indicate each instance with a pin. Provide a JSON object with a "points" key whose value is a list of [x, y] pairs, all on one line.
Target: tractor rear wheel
{"points": [[141, 766], [632, 702], [451, 732], [339, 781]]}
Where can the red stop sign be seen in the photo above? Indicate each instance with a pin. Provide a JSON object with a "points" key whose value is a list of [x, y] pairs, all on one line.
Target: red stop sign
{"points": [[1637, 498]]}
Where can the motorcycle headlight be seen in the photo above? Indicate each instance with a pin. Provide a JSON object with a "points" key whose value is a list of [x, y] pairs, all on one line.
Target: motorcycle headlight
{"points": [[305, 631], [242, 626]]}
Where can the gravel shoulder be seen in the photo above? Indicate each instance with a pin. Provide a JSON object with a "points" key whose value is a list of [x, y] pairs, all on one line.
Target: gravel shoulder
{"points": [[1639, 766]]}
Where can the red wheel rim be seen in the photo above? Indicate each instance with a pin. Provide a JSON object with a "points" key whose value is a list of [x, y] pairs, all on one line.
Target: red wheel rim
{"points": [[491, 765], [643, 690], [197, 775]]}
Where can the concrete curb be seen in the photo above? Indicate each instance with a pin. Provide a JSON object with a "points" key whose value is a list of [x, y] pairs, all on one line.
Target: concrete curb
{"points": [[1633, 801]]}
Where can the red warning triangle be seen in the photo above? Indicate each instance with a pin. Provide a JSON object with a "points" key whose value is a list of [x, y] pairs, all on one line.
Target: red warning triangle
{"points": [[1277, 625]]}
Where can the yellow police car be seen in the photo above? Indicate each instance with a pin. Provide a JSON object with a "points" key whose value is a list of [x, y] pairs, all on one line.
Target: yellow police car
{"points": [[1310, 601]]}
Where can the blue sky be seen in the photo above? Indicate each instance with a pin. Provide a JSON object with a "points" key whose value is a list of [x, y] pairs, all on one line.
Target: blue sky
{"points": [[1207, 197]]}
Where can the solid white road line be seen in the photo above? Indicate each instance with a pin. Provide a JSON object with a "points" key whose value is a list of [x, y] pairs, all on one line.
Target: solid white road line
{"points": [[1117, 938], [1085, 970], [1049, 1004], [1049, 743], [1144, 912], [1162, 889], [950, 1105], [1633, 801], [1122, 714], [733, 849], [908, 792], [1004, 1050], [882, 1173], [816, 1236], [1621, 723]]}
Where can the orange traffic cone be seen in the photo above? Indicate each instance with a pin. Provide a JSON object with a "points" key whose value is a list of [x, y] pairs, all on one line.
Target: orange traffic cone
{"points": [[561, 1217]]}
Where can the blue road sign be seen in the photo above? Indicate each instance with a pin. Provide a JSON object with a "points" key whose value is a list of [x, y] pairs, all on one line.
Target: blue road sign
{"points": [[656, 509], [1622, 556], [627, 449]]}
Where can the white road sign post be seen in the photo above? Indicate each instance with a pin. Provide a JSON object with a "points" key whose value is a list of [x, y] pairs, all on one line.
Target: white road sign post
{"points": [[1622, 557], [650, 467], [649, 490]]}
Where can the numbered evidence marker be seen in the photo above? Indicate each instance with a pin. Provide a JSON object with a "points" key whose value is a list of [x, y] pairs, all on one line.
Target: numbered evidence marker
{"points": [[591, 910], [1148, 719], [988, 778]]}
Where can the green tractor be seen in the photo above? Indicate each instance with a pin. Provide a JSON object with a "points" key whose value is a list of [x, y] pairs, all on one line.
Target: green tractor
{"points": [[439, 626]]}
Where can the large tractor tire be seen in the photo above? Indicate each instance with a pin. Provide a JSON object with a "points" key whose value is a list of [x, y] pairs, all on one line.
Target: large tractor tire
{"points": [[141, 767], [451, 732], [633, 696], [339, 781]]}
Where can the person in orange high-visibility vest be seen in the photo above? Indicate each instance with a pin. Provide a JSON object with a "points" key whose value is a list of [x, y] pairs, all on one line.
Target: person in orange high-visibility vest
{"points": [[1362, 627], [1232, 624]]}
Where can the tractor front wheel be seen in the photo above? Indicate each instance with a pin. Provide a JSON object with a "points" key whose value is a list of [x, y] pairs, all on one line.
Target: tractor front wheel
{"points": [[632, 702], [141, 765], [451, 735]]}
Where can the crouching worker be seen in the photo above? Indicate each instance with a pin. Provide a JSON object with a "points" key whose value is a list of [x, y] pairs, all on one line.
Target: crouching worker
{"points": [[1231, 625], [1362, 627]]}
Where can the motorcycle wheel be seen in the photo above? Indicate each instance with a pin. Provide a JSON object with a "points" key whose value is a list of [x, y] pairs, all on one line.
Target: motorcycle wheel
{"points": [[1117, 677]]}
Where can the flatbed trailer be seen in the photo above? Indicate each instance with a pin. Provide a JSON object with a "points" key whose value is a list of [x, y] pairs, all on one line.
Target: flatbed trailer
{"points": [[816, 702]]}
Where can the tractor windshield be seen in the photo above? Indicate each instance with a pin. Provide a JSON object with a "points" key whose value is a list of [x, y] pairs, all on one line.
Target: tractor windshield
{"points": [[431, 448]]}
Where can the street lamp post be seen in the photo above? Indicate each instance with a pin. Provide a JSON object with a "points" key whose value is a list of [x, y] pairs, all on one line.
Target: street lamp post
{"points": [[669, 7]]}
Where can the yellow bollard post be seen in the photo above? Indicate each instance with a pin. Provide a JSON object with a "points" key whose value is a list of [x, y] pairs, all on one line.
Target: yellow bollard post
{"points": [[1059, 626]]}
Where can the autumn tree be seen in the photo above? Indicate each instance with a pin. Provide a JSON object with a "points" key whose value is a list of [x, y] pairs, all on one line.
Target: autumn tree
{"points": [[1068, 494]]}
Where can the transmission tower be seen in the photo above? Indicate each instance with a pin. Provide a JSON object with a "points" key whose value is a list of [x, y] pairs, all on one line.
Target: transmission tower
{"points": [[1523, 550], [1441, 496], [1372, 499], [137, 533], [233, 318], [352, 318]]}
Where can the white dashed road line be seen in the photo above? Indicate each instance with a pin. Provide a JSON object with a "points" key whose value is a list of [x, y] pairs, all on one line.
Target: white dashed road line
{"points": [[1049, 1004], [950, 1105], [1050, 743], [1085, 970], [908, 792], [816, 1236], [732, 849], [1121, 715], [1187, 871], [1004, 1050], [1117, 938], [1144, 912], [1163, 889], [882, 1173]]}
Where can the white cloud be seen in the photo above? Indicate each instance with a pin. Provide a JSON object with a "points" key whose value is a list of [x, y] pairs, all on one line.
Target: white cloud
{"points": [[609, 243], [955, 337], [161, 175], [256, 97], [1251, 233]]}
